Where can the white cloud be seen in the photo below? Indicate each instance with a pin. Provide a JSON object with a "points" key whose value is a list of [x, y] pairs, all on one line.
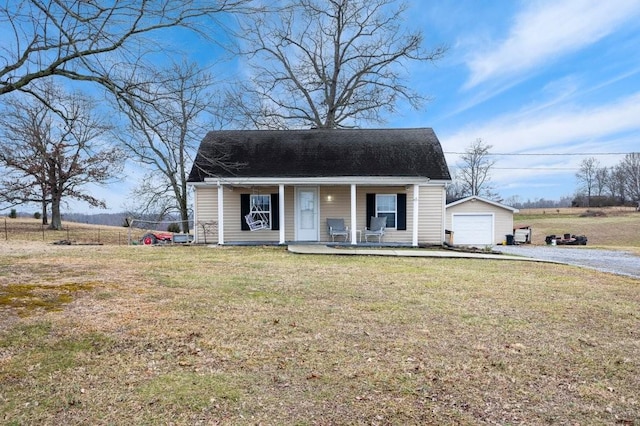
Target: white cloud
{"points": [[546, 30], [550, 129], [611, 127]]}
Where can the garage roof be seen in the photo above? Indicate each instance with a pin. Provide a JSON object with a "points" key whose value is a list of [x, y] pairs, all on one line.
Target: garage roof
{"points": [[484, 200]]}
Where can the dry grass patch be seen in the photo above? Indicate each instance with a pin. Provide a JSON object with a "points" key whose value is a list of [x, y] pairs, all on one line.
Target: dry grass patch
{"points": [[196, 335]]}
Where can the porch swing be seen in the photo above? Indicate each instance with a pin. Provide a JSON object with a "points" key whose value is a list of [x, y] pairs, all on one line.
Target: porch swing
{"points": [[256, 219]]}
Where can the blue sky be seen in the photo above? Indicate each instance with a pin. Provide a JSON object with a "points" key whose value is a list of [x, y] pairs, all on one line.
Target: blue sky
{"points": [[556, 77], [527, 77]]}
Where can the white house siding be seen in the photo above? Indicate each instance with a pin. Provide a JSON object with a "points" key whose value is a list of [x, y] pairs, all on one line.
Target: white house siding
{"points": [[232, 219], [390, 235], [503, 218], [335, 202], [431, 211], [289, 213], [207, 208]]}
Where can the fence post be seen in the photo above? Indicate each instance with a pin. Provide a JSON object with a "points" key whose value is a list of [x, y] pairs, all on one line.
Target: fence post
{"points": [[6, 231]]}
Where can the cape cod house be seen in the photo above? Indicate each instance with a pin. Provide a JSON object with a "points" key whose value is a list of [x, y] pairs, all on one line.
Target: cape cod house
{"points": [[290, 182]]}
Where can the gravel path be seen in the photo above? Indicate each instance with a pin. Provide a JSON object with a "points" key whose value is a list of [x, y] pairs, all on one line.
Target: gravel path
{"points": [[617, 262]]}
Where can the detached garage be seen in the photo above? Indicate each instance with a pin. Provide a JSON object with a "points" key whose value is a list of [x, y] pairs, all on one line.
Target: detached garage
{"points": [[476, 221]]}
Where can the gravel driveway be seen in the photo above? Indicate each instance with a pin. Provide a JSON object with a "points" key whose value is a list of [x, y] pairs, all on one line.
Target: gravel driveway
{"points": [[617, 262]]}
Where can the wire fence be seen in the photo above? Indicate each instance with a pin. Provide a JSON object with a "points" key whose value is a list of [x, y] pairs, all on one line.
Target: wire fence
{"points": [[71, 233]]}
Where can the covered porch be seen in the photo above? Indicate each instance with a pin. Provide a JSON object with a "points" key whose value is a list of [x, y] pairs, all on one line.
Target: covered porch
{"points": [[296, 210]]}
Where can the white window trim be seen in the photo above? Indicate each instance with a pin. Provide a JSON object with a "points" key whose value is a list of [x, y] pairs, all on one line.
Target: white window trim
{"points": [[395, 212], [268, 212]]}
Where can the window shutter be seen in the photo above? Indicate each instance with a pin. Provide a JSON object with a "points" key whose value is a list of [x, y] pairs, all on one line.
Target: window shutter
{"points": [[275, 212], [371, 208], [245, 208], [401, 219]]}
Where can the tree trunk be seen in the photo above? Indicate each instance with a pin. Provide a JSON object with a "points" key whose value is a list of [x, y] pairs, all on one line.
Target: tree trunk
{"points": [[45, 220], [184, 214], [56, 219]]}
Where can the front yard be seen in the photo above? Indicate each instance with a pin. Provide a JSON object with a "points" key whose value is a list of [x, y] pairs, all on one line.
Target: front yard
{"points": [[252, 335]]}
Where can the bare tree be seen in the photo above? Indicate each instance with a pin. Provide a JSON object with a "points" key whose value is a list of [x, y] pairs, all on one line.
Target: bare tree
{"points": [[473, 175], [327, 64], [455, 189], [514, 201], [587, 176], [600, 180], [615, 183], [23, 127], [630, 166], [50, 157], [90, 40], [163, 132]]}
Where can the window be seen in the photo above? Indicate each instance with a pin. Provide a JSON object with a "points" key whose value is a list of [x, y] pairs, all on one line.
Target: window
{"points": [[265, 205], [261, 207], [386, 206]]}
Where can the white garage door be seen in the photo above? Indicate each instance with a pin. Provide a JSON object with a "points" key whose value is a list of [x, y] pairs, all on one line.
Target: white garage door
{"points": [[472, 229]]}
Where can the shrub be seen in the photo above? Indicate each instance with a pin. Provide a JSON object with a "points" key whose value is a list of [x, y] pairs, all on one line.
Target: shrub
{"points": [[13, 214], [37, 215], [173, 227]]}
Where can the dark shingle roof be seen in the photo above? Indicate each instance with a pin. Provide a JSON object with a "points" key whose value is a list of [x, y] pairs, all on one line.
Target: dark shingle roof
{"points": [[321, 153]]}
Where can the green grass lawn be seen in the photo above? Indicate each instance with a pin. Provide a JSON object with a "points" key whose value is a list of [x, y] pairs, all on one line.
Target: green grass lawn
{"points": [[256, 335]]}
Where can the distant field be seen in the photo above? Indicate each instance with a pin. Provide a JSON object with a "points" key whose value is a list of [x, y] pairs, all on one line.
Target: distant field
{"points": [[607, 227], [572, 211]]}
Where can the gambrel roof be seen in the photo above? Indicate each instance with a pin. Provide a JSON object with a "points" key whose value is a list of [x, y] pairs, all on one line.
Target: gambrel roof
{"points": [[320, 153]]}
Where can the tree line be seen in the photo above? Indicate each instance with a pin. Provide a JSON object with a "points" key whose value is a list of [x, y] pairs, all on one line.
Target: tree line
{"points": [[615, 185], [307, 63]]}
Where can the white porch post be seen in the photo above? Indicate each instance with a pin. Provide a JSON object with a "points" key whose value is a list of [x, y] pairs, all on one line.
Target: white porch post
{"points": [[416, 214], [195, 217], [281, 211], [354, 225], [220, 214]]}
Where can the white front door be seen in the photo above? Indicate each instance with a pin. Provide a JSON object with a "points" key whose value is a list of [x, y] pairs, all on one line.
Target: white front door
{"points": [[307, 214]]}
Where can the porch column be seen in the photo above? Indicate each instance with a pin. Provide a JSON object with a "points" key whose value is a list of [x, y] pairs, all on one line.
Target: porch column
{"points": [[416, 214], [195, 217], [281, 211], [220, 214], [354, 225]]}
